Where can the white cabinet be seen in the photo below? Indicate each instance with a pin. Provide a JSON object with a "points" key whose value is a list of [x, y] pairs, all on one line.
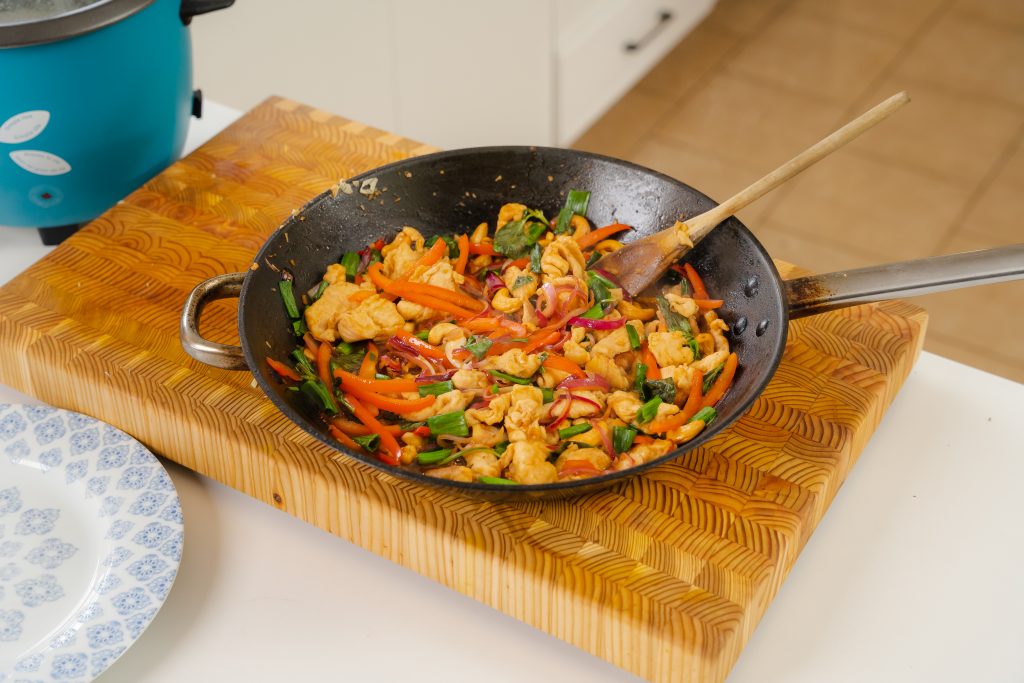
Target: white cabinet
{"points": [[454, 73]]}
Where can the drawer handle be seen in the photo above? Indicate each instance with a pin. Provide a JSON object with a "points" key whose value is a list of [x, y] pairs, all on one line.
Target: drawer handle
{"points": [[663, 18]]}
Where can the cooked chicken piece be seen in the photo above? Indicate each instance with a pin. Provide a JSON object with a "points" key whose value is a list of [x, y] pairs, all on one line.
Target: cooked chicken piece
{"points": [[618, 341], [483, 464], [441, 274], [574, 349], [711, 361], [625, 404], [508, 213], [653, 326], [413, 445], [642, 453], [606, 367], [706, 343], [685, 432], [583, 408], [445, 403], [595, 456], [487, 436], [493, 413], [670, 348], [402, 252], [322, 314], [634, 311], [523, 416], [682, 375], [562, 257], [515, 362], [469, 380], [717, 327], [520, 285], [451, 473], [372, 318], [683, 305], [666, 410], [528, 462]]}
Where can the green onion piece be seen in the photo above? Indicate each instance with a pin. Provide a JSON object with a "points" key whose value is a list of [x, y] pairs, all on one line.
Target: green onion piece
{"points": [[665, 388], [439, 457], [378, 375], [711, 377], [535, 255], [595, 256], [320, 289], [478, 346], [641, 377], [648, 410], [299, 327], [350, 261], [288, 297], [634, 338], [375, 257], [436, 389], [510, 378], [601, 288], [422, 335], [673, 320], [371, 442], [303, 365], [622, 438], [573, 431], [343, 402], [575, 203], [318, 393], [407, 426], [497, 481], [706, 415], [695, 348], [349, 357], [684, 287], [495, 387], [549, 394], [500, 448], [595, 312], [453, 423]]}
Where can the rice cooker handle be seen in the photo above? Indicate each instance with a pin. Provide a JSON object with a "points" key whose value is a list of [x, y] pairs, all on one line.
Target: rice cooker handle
{"points": [[190, 8], [224, 356]]}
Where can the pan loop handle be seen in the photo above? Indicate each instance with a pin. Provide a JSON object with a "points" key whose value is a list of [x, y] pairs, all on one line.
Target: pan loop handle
{"points": [[224, 356]]}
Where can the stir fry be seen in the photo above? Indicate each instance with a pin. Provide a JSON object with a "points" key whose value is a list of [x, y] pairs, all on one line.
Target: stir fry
{"points": [[506, 357]]}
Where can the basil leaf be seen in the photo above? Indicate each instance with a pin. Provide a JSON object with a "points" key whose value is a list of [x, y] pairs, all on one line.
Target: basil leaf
{"points": [[453, 245], [302, 364], [710, 378], [514, 239], [535, 256], [665, 389], [349, 357], [673, 320], [478, 346], [521, 281]]}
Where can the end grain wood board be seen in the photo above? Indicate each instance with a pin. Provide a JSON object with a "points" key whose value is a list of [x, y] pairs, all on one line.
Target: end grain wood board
{"points": [[665, 576]]}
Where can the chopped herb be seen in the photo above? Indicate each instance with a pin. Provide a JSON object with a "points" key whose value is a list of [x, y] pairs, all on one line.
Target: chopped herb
{"points": [[500, 448], [497, 481], [535, 255], [521, 281], [453, 246], [509, 378], [350, 261], [438, 457], [320, 290], [711, 377], [673, 320], [422, 335], [641, 377], [288, 297], [695, 348], [436, 389], [622, 438], [370, 442], [664, 388], [573, 431], [648, 410], [316, 392], [634, 338], [706, 415], [303, 365], [514, 239], [478, 346], [453, 423], [549, 394], [349, 357], [575, 203]]}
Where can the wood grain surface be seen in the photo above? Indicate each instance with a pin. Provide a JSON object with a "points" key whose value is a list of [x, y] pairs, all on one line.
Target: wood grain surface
{"points": [[665, 575]]}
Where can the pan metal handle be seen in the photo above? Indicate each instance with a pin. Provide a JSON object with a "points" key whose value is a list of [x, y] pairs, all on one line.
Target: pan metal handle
{"points": [[218, 355], [820, 293]]}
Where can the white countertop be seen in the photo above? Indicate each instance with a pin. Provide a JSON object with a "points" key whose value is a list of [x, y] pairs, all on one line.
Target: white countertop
{"points": [[913, 575]]}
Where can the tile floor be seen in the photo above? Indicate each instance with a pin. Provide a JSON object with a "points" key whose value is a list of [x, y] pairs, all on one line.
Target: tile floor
{"points": [[759, 80]]}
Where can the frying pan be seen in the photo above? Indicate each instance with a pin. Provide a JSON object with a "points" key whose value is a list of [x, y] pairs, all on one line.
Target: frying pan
{"points": [[455, 191]]}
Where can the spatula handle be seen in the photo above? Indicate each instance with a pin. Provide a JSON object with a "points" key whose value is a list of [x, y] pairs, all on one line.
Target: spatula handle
{"points": [[700, 225]]}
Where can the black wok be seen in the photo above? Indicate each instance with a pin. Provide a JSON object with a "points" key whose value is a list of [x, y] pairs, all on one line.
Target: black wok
{"points": [[454, 192]]}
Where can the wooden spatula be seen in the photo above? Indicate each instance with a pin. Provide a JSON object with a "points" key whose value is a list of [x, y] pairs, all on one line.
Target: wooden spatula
{"points": [[640, 263]]}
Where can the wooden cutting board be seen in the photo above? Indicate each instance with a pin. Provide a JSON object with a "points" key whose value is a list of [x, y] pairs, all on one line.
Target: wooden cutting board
{"points": [[665, 576]]}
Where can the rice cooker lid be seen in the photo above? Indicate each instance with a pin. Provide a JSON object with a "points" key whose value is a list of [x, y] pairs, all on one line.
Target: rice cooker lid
{"points": [[30, 22]]}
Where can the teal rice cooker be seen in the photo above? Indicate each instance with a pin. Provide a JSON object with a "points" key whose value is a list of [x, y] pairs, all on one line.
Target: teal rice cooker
{"points": [[95, 98]]}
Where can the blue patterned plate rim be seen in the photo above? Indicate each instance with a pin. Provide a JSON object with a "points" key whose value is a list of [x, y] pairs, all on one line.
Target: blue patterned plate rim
{"points": [[91, 535]]}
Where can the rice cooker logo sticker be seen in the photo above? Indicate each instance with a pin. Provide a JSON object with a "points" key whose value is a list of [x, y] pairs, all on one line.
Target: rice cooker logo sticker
{"points": [[22, 128]]}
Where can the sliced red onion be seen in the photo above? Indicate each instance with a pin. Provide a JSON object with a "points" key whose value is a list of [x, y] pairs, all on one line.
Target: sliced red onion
{"points": [[415, 359], [565, 413], [430, 379], [493, 284], [557, 346], [590, 381], [603, 324], [572, 471], [608, 276]]}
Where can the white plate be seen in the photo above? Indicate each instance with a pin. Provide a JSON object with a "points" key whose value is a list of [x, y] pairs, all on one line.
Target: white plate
{"points": [[90, 540]]}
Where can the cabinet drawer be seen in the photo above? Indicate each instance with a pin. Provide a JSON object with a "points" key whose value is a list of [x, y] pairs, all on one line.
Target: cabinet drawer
{"points": [[601, 53]]}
